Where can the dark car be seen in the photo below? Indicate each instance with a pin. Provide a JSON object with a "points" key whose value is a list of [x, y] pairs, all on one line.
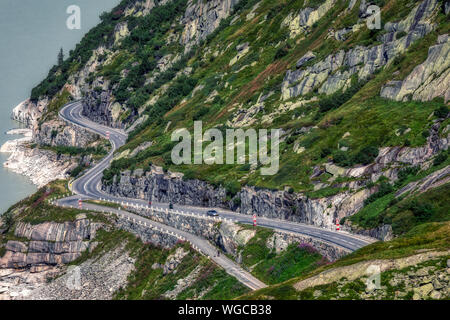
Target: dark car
{"points": [[212, 213]]}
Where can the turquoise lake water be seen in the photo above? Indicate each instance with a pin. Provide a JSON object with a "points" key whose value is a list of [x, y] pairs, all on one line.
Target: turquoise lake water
{"points": [[31, 34]]}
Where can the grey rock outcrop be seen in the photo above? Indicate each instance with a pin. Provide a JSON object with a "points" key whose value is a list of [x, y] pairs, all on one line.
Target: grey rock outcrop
{"points": [[279, 241], [97, 278], [423, 274], [159, 187], [48, 243], [265, 203], [146, 234], [428, 80], [391, 159], [60, 133], [302, 21], [383, 232], [29, 112], [231, 237], [174, 260], [99, 106], [202, 18], [308, 56], [336, 70]]}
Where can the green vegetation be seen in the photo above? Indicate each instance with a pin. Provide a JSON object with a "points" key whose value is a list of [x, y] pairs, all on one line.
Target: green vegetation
{"points": [[371, 121], [408, 211], [256, 249], [324, 192], [145, 282], [211, 84], [354, 290], [428, 236], [150, 283], [296, 260], [60, 57], [100, 34], [271, 267]]}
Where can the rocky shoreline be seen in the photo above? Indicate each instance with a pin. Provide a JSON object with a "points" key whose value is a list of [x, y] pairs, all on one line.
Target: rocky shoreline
{"points": [[40, 166]]}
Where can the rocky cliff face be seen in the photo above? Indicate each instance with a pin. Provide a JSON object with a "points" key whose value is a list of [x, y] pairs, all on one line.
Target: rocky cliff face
{"points": [[60, 133], [54, 132], [335, 71], [159, 187], [49, 244], [302, 21], [202, 18], [229, 236], [40, 165], [28, 112], [100, 107], [41, 253], [428, 80]]}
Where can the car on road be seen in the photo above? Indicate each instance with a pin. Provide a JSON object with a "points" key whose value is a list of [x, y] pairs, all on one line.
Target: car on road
{"points": [[212, 213]]}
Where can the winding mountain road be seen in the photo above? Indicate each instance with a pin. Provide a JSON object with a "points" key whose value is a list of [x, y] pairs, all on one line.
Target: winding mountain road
{"points": [[89, 187]]}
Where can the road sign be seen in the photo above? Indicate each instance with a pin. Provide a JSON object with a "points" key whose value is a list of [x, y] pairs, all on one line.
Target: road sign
{"points": [[254, 220]]}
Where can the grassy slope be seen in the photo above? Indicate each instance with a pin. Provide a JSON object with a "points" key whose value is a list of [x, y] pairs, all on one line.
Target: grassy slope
{"points": [[35, 209], [271, 267], [425, 236], [351, 290], [148, 283], [405, 213]]}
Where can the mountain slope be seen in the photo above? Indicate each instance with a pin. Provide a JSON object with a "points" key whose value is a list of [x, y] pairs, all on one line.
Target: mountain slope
{"points": [[364, 139], [363, 112]]}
